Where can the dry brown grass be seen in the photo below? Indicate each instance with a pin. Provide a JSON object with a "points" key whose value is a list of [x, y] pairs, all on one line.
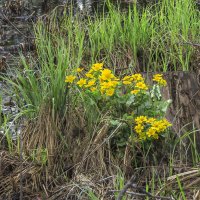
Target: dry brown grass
{"points": [[16, 175], [77, 162]]}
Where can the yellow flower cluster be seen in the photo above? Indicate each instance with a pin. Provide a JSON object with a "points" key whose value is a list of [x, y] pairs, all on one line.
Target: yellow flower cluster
{"points": [[103, 82], [158, 78], [97, 67], [106, 83], [136, 83], [97, 79], [150, 127], [80, 69], [70, 79]]}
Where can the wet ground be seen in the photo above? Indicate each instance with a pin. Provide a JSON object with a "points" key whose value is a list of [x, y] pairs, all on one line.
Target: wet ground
{"points": [[16, 19]]}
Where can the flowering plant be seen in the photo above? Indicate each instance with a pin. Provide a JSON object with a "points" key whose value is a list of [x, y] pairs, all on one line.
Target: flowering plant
{"points": [[129, 99]]}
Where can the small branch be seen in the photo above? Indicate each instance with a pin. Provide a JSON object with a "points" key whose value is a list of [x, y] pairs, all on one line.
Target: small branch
{"points": [[132, 193], [143, 194], [128, 185], [192, 44]]}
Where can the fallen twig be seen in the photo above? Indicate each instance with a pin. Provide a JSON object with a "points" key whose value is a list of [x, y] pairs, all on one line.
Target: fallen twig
{"points": [[130, 184], [192, 44], [142, 194]]}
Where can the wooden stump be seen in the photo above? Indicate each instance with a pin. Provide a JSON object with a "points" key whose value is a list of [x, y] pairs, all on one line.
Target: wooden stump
{"points": [[184, 90]]}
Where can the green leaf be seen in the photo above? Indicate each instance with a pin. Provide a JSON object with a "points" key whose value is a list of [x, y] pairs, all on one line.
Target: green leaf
{"points": [[155, 92], [130, 101], [165, 105], [114, 122]]}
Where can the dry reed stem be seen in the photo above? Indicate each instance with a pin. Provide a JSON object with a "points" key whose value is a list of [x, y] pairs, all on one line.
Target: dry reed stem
{"points": [[12, 169]]}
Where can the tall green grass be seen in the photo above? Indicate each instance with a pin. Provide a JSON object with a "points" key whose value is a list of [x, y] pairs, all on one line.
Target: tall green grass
{"points": [[41, 83], [155, 38]]}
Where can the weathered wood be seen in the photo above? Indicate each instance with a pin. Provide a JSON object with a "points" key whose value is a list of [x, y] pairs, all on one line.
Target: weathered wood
{"points": [[184, 90], [18, 47], [3, 65]]}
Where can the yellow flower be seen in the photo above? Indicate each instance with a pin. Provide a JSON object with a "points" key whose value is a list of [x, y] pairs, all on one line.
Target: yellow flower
{"points": [[159, 79], [126, 82], [140, 119], [135, 91], [157, 126], [97, 66], [141, 85], [70, 79], [160, 125], [151, 120], [142, 136], [139, 128], [105, 85], [89, 75], [81, 82], [79, 69], [106, 75], [102, 89], [91, 83], [151, 132], [110, 92], [109, 84], [91, 71], [137, 77], [127, 78], [114, 83], [93, 89], [166, 123]]}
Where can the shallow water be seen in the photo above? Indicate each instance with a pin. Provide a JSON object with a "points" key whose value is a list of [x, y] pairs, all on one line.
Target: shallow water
{"points": [[16, 20]]}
